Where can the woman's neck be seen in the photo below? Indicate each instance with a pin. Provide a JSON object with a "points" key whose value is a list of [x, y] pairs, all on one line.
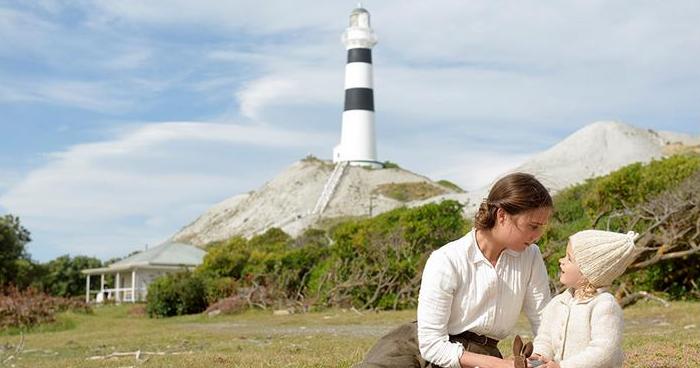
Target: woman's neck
{"points": [[488, 245]]}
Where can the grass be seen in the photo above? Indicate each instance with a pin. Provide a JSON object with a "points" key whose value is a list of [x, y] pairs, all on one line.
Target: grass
{"points": [[654, 337], [405, 192]]}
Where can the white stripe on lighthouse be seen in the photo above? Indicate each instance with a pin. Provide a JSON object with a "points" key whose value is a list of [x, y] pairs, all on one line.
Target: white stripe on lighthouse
{"points": [[358, 133], [358, 75]]}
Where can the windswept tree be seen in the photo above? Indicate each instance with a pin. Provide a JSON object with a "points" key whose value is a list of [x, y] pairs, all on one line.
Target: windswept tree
{"points": [[13, 238]]}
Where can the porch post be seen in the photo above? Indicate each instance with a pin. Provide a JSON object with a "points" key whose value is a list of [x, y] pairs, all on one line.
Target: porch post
{"points": [[102, 283], [87, 289], [118, 286], [133, 286]]}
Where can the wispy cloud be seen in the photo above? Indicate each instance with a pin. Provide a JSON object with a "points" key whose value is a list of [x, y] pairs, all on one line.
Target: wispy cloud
{"points": [[95, 96], [151, 179]]}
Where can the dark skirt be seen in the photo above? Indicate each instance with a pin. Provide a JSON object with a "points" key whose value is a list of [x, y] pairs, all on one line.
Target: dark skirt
{"points": [[399, 349]]}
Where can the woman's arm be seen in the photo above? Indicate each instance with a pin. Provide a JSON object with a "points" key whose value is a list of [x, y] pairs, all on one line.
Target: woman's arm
{"points": [[437, 289], [469, 359]]}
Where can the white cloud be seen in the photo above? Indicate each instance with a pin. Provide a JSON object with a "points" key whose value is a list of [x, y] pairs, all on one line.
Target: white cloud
{"points": [[300, 87], [255, 17], [150, 180], [95, 96]]}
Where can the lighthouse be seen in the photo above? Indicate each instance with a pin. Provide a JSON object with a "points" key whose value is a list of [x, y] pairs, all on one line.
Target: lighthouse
{"points": [[358, 144]]}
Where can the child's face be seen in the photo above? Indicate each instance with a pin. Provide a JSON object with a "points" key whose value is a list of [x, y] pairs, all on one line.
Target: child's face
{"points": [[570, 275]]}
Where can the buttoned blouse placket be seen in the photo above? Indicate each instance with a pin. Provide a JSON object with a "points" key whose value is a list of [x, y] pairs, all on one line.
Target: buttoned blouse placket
{"points": [[495, 289]]}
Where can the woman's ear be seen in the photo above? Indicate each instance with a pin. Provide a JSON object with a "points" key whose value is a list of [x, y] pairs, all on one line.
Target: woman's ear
{"points": [[501, 216]]}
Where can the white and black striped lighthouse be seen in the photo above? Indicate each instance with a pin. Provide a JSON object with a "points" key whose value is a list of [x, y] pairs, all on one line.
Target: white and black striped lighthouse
{"points": [[357, 140]]}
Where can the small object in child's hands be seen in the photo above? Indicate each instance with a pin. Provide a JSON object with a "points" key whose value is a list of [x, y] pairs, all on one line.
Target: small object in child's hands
{"points": [[521, 352], [534, 363]]}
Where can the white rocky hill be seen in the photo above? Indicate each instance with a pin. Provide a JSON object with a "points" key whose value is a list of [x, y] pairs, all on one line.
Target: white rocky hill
{"points": [[289, 200], [594, 150]]}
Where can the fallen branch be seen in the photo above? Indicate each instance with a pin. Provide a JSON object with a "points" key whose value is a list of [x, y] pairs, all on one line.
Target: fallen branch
{"points": [[634, 297], [18, 350], [137, 354]]}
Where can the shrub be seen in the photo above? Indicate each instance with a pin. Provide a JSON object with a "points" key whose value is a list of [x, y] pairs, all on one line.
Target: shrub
{"points": [[390, 165], [176, 294], [608, 202], [29, 308], [220, 288]]}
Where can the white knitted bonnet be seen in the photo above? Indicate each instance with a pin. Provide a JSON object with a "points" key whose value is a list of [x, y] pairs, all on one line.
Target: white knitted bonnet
{"points": [[603, 256]]}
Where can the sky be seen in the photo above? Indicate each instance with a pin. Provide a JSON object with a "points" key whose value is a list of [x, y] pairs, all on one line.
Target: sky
{"points": [[121, 121]]}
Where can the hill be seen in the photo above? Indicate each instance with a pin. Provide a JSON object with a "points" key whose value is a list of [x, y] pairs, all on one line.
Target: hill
{"points": [[288, 201], [291, 201]]}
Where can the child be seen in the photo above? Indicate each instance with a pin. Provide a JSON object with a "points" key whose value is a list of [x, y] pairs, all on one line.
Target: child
{"points": [[582, 327]]}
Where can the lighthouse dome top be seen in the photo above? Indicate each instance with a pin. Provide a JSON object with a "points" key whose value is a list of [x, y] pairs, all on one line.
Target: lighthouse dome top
{"points": [[359, 10], [359, 18]]}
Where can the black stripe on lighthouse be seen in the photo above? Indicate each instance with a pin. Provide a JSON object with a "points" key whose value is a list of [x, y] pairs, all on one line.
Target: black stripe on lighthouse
{"points": [[360, 55], [359, 99]]}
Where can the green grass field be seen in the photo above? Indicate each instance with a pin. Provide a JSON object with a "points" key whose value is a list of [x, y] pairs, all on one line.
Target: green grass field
{"points": [[654, 337]]}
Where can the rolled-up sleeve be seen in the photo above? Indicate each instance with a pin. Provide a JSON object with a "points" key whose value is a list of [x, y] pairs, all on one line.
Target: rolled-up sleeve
{"points": [[437, 290]]}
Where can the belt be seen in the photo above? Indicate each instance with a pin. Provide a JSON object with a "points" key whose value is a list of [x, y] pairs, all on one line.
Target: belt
{"points": [[476, 338]]}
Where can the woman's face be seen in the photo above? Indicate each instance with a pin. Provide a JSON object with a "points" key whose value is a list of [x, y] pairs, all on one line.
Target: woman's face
{"points": [[517, 232], [570, 274]]}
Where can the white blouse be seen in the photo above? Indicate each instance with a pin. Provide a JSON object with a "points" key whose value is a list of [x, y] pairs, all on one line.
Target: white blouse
{"points": [[461, 290]]}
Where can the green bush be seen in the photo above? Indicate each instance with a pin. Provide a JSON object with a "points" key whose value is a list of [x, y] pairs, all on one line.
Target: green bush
{"points": [[176, 294], [376, 262], [220, 288], [226, 259], [591, 204]]}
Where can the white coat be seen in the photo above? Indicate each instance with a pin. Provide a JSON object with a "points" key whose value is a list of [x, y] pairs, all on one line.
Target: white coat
{"points": [[582, 333]]}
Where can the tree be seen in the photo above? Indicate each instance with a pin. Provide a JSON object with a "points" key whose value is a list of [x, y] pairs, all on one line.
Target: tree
{"points": [[13, 238], [63, 276]]}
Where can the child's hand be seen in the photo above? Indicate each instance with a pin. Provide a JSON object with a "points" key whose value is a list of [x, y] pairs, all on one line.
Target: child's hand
{"points": [[537, 360], [550, 364]]}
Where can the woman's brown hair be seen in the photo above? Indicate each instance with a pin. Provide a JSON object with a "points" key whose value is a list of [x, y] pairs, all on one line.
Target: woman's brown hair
{"points": [[514, 193]]}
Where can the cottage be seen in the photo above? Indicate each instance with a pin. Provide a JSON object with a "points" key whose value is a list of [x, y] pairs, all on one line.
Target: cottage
{"points": [[133, 274]]}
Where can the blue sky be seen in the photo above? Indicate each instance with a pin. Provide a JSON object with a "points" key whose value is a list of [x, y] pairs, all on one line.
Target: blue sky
{"points": [[122, 121]]}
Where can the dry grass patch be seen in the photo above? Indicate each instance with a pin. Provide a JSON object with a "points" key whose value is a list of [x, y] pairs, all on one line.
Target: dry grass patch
{"points": [[654, 337], [406, 192]]}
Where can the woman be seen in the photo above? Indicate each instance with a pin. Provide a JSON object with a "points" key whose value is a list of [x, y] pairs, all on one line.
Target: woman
{"points": [[474, 288]]}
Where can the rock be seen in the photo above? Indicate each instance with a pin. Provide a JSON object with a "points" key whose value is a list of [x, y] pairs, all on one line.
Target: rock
{"points": [[281, 312]]}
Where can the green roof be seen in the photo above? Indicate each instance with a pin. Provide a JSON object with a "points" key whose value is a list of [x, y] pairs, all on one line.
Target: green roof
{"points": [[167, 254]]}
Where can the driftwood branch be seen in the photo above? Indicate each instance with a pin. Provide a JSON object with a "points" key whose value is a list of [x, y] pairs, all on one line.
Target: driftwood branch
{"points": [[634, 297], [136, 354]]}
